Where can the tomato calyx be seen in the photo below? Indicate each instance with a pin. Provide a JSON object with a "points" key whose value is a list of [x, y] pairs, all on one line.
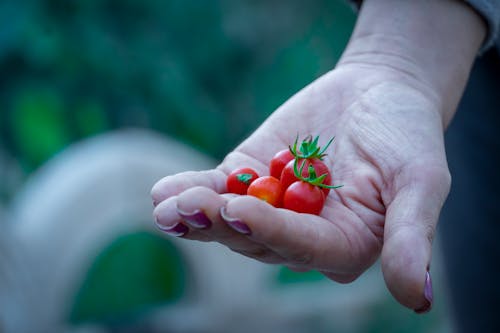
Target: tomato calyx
{"points": [[309, 148], [239, 180], [245, 178], [312, 178]]}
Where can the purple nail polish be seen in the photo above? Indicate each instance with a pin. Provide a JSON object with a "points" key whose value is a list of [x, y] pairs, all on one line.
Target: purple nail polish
{"points": [[197, 219], [176, 230], [428, 294], [234, 223]]}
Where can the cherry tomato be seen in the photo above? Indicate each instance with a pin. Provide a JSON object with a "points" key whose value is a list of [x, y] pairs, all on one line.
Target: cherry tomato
{"points": [[303, 197], [288, 175], [267, 188], [279, 161], [239, 180]]}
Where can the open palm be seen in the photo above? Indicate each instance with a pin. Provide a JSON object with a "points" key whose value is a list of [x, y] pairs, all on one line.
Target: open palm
{"points": [[389, 155]]}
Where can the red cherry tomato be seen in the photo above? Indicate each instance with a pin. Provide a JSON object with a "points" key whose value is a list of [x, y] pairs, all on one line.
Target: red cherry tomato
{"points": [[303, 197], [288, 175], [239, 180], [267, 188], [279, 161]]}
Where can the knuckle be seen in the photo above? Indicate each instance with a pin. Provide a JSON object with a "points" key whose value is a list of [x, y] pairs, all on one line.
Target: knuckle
{"points": [[428, 171], [428, 232], [440, 175], [425, 230]]}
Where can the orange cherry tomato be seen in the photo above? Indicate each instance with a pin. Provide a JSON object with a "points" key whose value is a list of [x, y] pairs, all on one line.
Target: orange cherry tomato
{"points": [[267, 188]]}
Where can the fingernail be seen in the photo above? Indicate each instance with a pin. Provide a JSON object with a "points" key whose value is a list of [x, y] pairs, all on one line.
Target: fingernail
{"points": [[234, 223], [177, 230], [428, 294], [196, 219]]}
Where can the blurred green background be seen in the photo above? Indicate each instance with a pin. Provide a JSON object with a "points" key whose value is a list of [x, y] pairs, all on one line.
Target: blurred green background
{"points": [[206, 73]]}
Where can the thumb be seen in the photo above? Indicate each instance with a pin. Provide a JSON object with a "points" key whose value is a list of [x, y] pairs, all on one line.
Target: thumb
{"points": [[411, 220]]}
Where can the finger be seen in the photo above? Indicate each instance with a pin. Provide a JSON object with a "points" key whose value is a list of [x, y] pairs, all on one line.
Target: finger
{"points": [[168, 186], [341, 278], [168, 220], [304, 240], [199, 208], [237, 159], [410, 225]]}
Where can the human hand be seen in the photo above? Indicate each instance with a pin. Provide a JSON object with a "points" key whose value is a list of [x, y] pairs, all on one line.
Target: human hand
{"points": [[387, 103], [389, 156]]}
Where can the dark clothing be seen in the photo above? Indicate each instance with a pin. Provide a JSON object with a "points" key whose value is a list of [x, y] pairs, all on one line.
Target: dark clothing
{"points": [[490, 11], [470, 221]]}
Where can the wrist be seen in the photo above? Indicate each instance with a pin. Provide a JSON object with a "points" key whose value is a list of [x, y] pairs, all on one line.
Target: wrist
{"points": [[431, 45]]}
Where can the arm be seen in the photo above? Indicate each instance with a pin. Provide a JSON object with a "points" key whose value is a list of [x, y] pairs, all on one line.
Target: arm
{"points": [[432, 44]]}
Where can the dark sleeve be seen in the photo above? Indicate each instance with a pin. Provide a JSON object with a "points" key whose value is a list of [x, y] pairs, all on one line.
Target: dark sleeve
{"points": [[488, 9]]}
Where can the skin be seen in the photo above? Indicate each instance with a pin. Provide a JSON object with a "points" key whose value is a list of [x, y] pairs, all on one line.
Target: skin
{"points": [[387, 102]]}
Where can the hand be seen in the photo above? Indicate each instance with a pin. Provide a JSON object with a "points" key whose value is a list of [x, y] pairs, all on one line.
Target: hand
{"points": [[388, 154], [387, 103]]}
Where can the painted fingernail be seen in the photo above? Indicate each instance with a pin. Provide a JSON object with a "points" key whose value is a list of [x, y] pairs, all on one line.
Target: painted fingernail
{"points": [[177, 230], [234, 223], [428, 294], [197, 219]]}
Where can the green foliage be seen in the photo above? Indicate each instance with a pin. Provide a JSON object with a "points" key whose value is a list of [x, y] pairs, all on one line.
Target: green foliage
{"points": [[286, 276], [89, 118], [38, 125], [133, 273], [205, 72]]}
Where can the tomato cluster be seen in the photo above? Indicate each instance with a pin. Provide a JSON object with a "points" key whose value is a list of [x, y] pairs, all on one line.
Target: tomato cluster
{"points": [[293, 182]]}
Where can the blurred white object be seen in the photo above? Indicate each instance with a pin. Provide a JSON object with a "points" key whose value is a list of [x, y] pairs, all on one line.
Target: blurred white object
{"points": [[99, 188], [80, 201], [16, 285]]}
